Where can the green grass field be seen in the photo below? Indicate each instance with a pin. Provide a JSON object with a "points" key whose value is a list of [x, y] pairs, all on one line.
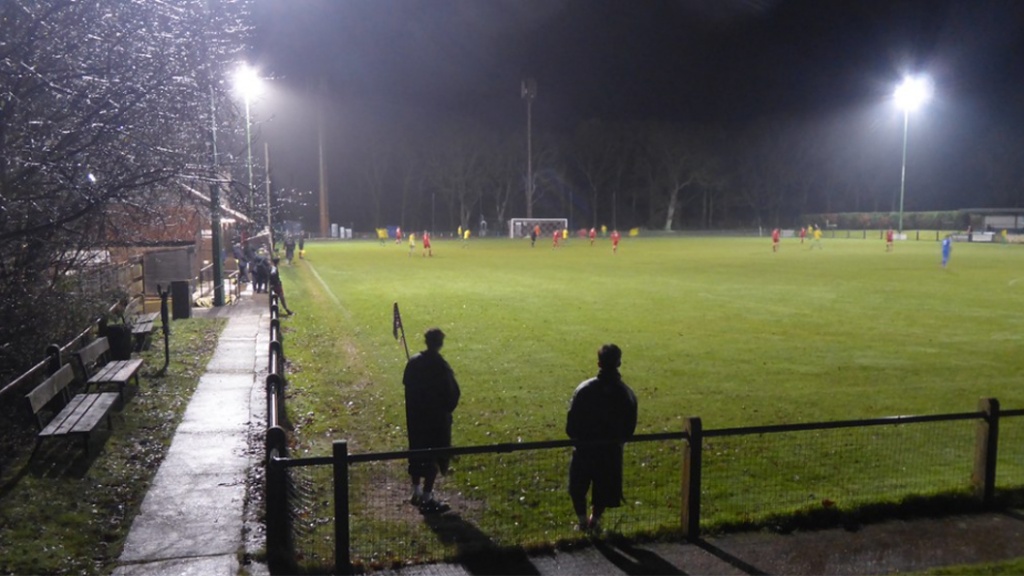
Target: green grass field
{"points": [[720, 328]]}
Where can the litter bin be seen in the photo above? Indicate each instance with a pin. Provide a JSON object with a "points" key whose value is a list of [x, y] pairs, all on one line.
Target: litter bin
{"points": [[181, 299], [119, 337]]}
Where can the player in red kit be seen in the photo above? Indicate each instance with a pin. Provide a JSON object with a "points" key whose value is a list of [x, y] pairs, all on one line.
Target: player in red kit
{"points": [[803, 234], [593, 235], [888, 240], [615, 241], [775, 240], [555, 237], [426, 245]]}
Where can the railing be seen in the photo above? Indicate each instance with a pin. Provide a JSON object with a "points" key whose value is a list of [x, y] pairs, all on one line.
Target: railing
{"points": [[205, 282], [279, 526], [350, 511], [39, 370]]}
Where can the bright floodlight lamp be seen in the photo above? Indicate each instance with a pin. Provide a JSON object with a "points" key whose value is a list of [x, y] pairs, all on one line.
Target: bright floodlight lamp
{"points": [[247, 81], [909, 95], [248, 84]]}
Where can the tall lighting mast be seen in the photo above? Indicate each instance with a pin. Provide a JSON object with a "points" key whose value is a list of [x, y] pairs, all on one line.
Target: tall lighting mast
{"points": [[528, 91]]}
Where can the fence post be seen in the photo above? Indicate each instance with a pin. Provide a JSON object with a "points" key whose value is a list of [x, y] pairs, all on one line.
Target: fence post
{"points": [[279, 548], [53, 355], [986, 444], [692, 451], [342, 559]]}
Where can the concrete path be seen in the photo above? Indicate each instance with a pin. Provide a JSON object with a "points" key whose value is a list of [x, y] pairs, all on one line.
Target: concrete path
{"points": [[191, 521]]}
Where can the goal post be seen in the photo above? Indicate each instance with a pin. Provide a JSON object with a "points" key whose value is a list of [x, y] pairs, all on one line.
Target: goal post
{"points": [[521, 227]]}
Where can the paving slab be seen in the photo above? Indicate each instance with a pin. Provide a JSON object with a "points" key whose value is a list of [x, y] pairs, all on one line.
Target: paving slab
{"points": [[223, 564], [233, 356], [176, 536], [204, 495], [213, 454]]}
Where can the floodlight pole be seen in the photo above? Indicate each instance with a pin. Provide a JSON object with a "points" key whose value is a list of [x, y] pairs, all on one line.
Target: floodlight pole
{"points": [[528, 91], [909, 94], [248, 150], [903, 172]]}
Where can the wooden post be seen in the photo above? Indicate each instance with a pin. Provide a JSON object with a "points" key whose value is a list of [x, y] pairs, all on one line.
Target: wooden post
{"points": [[690, 510], [342, 560], [986, 444]]}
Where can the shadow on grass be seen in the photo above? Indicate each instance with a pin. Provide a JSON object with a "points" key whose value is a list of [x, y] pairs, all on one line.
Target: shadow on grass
{"points": [[909, 508], [58, 458], [477, 552]]}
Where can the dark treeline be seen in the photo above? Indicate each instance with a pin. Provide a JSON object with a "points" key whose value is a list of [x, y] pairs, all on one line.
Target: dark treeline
{"points": [[669, 176]]}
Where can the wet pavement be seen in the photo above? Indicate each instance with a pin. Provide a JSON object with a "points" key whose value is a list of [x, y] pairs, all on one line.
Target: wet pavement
{"points": [[192, 520]]}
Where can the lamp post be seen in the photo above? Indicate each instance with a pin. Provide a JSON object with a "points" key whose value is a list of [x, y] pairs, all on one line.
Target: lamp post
{"points": [[528, 91], [247, 82], [910, 94]]}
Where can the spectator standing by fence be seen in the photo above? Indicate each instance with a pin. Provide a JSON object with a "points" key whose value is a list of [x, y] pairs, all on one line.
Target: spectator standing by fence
{"points": [[289, 248], [431, 395], [602, 416], [276, 286], [240, 261]]}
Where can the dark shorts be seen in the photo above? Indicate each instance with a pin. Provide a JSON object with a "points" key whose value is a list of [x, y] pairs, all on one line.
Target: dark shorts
{"points": [[600, 467]]}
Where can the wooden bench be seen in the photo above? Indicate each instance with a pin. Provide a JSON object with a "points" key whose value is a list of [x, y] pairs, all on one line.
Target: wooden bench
{"points": [[98, 370], [140, 322], [81, 413], [142, 329]]}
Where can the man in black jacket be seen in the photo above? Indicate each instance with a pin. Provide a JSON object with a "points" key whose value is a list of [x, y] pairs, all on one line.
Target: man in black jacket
{"points": [[602, 416], [431, 395]]}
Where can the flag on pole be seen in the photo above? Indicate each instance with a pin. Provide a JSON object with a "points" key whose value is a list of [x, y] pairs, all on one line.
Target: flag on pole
{"points": [[397, 323], [397, 327]]}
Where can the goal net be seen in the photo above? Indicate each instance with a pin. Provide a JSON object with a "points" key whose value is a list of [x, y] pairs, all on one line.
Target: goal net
{"points": [[521, 227]]}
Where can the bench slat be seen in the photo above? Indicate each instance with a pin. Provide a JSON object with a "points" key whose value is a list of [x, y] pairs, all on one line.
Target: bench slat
{"points": [[81, 415], [116, 372], [66, 419], [144, 327], [88, 355], [50, 388], [98, 407]]}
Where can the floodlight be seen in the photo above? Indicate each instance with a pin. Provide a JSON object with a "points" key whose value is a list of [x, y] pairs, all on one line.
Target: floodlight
{"points": [[912, 92]]}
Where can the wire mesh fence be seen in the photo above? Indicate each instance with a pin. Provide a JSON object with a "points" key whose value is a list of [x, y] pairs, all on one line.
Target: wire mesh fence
{"points": [[750, 478], [501, 497], [310, 489], [1010, 462], [499, 500]]}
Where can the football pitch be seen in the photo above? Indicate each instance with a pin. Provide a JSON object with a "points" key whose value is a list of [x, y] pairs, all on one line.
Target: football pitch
{"points": [[721, 328]]}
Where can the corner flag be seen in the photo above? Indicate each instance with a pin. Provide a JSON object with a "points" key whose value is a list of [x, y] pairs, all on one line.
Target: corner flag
{"points": [[396, 327]]}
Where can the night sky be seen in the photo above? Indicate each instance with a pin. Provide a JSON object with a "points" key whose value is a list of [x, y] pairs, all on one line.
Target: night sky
{"points": [[397, 64]]}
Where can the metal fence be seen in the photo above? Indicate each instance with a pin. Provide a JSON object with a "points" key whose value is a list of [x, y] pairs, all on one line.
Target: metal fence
{"points": [[506, 497], [348, 512]]}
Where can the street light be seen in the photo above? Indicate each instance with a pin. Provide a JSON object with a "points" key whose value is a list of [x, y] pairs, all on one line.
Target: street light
{"points": [[248, 84], [909, 95]]}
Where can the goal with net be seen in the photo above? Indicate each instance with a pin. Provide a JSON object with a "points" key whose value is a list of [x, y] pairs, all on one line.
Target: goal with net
{"points": [[521, 227]]}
